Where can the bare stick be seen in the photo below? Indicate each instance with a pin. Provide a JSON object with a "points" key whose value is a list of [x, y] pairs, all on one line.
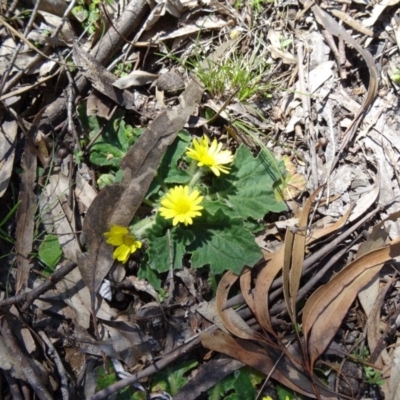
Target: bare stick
{"points": [[29, 297]]}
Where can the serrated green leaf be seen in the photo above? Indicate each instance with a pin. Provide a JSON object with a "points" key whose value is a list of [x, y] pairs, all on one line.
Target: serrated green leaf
{"points": [[286, 394], [213, 206], [223, 243], [241, 381], [106, 154], [169, 170], [50, 251], [162, 246], [172, 379], [243, 385], [249, 186]]}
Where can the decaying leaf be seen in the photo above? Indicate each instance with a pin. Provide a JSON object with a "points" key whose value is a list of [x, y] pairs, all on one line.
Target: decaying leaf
{"points": [[231, 320], [329, 304], [262, 359], [8, 135], [25, 216], [135, 78]]}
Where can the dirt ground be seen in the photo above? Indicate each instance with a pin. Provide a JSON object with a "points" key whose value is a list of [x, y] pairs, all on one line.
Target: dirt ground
{"points": [[99, 102]]}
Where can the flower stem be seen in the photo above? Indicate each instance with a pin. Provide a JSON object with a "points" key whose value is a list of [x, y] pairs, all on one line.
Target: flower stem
{"points": [[140, 227], [195, 178]]}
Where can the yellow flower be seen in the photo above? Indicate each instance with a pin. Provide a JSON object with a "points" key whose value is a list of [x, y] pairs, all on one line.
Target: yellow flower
{"points": [[181, 205], [212, 157], [122, 238]]}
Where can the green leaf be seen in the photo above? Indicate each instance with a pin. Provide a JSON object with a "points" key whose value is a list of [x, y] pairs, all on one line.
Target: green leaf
{"points": [[241, 381], [127, 135], [50, 251], [145, 272], [214, 205], [171, 379], [285, 394], [115, 140], [162, 246], [169, 170], [106, 154], [223, 243], [249, 186]]}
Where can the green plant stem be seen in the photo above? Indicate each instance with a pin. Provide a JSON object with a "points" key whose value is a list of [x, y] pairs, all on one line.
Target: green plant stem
{"points": [[196, 177], [140, 227], [192, 167]]}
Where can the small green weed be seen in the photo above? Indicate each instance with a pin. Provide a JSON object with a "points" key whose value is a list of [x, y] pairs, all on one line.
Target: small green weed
{"points": [[241, 384], [371, 375], [237, 72], [89, 14], [3, 234], [123, 69], [256, 5], [243, 74], [50, 253]]}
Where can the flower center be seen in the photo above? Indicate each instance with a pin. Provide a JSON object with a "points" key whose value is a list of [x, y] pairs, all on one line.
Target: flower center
{"points": [[182, 207], [128, 240], [207, 160]]}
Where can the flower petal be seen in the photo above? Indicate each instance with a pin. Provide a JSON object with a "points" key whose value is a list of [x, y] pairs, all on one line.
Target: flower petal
{"points": [[212, 157]]}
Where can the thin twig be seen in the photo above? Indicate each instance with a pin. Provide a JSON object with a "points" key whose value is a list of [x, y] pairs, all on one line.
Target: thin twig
{"points": [[52, 352], [23, 361], [29, 297], [19, 47], [151, 369], [15, 79]]}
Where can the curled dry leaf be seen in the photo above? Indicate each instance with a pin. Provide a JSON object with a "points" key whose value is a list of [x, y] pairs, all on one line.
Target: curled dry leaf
{"points": [[293, 257], [230, 318], [328, 305], [135, 78], [265, 360]]}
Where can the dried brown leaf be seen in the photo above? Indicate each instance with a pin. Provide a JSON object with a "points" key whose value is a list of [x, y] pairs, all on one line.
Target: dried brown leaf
{"points": [[264, 282], [347, 19], [25, 216], [328, 305], [264, 360], [293, 258], [230, 318]]}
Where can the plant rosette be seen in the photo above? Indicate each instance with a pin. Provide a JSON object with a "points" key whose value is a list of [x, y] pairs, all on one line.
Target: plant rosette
{"points": [[207, 204]]}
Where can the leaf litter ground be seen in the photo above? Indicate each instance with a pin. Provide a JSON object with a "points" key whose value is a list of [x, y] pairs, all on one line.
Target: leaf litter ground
{"points": [[311, 87]]}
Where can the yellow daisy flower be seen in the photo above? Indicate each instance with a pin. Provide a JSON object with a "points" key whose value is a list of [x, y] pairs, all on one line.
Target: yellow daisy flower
{"points": [[123, 239], [211, 157], [181, 205]]}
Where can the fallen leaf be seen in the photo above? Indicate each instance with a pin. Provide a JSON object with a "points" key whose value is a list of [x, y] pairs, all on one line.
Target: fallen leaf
{"points": [[267, 361], [8, 135], [25, 216], [135, 78], [328, 305]]}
